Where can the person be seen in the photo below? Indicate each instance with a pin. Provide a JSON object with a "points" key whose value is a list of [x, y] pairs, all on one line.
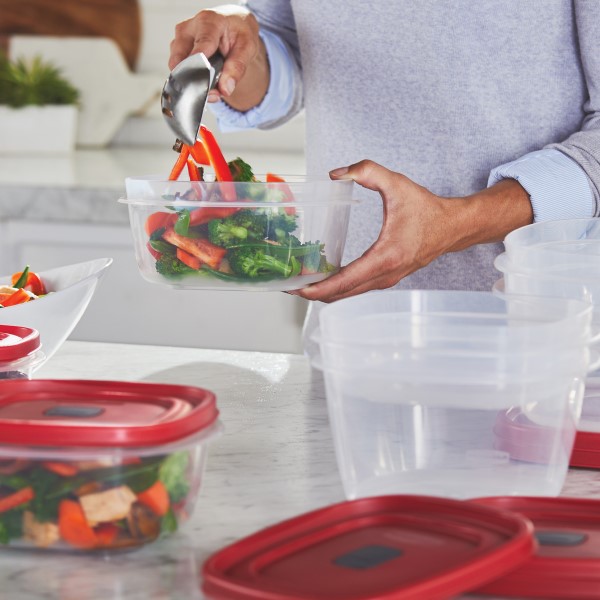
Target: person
{"points": [[463, 120]]}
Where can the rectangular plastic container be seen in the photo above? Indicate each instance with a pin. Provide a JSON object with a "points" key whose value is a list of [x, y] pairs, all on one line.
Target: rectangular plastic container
{"points": [[238, 236], [440, 410]]}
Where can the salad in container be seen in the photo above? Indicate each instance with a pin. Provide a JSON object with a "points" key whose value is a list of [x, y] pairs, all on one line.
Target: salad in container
{"points": [[89, 466], [234, 229]]}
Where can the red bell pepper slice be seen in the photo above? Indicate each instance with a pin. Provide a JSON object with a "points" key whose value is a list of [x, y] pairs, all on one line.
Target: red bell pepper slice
{"points": [[272, 178], [179, 163], [155, 253], [20, 497], [199, 216], [187, 259], [198, 153], [157, 220], [33, 283], [60, 468], [156, 498], [215, 156], [73, 525]]}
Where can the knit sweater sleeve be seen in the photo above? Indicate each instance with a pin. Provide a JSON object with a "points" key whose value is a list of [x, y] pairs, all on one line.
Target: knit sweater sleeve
{"points": [[277, 17], [583, 146]]}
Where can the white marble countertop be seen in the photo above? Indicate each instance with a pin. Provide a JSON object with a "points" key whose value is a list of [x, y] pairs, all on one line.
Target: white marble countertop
{"points": [[275, 461]]}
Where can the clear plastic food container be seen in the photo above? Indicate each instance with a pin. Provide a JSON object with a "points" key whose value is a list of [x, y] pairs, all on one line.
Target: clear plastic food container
{"points": [[20, 352], [417, 383], [238, 236], [99, 465]]}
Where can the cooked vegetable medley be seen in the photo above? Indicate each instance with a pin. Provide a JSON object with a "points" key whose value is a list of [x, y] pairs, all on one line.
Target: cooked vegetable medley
{"points": [[235, 244], [25, 286], [92, 505]]}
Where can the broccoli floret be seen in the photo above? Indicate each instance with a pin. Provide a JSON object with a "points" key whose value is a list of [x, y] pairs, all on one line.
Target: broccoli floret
{"points": [[245, 225], [280, 226], [170, 266], [254, 262], [253, 221], [241, 170], [223, 232]]}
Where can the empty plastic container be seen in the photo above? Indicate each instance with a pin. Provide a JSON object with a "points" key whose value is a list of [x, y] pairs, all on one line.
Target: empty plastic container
{"points": [[418, 382]]}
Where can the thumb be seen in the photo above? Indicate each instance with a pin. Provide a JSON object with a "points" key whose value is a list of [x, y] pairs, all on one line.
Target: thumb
{"points": [[368, 174]]}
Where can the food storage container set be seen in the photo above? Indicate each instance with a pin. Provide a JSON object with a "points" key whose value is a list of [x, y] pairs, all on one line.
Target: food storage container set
{"points": [[452, 414]]}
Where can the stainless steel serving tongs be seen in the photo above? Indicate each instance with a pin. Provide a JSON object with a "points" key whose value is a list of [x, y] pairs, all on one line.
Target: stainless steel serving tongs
{"points": [[185, 93]]}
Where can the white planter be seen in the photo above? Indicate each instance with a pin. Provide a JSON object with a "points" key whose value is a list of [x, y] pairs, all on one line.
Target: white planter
{"points": [[38, 129]]}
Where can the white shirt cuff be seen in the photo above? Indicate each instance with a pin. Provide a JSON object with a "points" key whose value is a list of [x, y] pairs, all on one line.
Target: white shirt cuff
{"points": [[278, 99], [557, 186]]}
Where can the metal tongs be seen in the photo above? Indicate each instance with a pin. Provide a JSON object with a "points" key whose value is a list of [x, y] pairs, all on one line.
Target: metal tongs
{"points": [[185, 93]]}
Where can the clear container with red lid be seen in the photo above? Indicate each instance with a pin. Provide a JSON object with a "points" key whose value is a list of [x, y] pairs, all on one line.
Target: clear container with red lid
{"points": [[20, 352], [100, 465]]}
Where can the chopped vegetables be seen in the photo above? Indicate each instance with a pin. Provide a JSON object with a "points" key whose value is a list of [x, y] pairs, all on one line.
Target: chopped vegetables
{"points": [[25, 286], [212, 241], [94, 505]]}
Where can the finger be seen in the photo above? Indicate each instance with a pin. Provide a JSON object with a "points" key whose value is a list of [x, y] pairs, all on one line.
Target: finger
{"points": [[202, 33], [368, 174], [240, 49]]}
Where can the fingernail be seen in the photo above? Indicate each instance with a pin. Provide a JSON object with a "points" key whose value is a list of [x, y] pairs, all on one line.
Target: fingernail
{"points": [[230, 85], [338, 172], [213, 96]]}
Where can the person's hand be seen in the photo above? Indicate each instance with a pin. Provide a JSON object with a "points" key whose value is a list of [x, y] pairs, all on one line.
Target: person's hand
{"points": [[419, 226], [233, 31]]}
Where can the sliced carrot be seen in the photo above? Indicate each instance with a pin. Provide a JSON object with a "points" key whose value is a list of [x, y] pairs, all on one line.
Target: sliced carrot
{"points": [[18, 297], [187, 259], [106, 533], [157, 220], [201, 248], [179, 163], [73, 526], [156, 498], [20, 497], [60, 468]]}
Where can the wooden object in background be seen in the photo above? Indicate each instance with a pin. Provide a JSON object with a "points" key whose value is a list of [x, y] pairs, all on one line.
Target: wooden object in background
{"points": [[119, 20]]}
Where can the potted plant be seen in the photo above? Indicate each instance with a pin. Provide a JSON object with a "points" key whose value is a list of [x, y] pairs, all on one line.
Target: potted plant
{"points": [[38, 108]]}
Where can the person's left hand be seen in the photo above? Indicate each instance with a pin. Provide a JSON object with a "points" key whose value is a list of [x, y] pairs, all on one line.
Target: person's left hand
{"points": [[419, 226]]}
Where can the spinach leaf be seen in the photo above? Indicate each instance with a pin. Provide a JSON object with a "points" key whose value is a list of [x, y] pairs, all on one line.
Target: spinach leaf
{"points": [[11, 525], [173, 473]]}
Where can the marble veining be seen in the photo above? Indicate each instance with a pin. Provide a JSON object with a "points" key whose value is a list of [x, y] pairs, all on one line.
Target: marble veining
{"points": [[274, 461]]}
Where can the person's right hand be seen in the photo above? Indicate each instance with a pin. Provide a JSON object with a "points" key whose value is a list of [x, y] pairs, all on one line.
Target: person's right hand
{"points": [[233, 31]]}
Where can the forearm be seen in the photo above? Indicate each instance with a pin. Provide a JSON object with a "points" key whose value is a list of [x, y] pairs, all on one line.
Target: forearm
{"points": [[489, 215]]}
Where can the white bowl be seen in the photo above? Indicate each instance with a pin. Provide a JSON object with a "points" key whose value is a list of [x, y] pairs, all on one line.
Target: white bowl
{"points": [[70, 289]]}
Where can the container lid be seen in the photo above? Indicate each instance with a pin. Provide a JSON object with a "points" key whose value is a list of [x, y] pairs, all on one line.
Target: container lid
{"points": [[101, 413], [586, 450], [17, 342], [409, 547], [567, 561]]}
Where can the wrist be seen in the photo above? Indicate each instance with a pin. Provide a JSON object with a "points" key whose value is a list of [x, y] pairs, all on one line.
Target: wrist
{"points": [[489, 215]]}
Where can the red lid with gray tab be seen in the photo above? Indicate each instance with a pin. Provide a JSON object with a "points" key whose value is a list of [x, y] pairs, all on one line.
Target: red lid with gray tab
{"points": [[566, 564], [101, 413], [384, 548]]}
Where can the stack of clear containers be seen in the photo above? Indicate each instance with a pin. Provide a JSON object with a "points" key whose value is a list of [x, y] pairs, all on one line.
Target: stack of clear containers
{"points": [[559, 259], [458, 394]]}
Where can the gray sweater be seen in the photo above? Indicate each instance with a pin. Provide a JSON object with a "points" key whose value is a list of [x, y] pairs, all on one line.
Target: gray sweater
{"points": [[442, 91]]}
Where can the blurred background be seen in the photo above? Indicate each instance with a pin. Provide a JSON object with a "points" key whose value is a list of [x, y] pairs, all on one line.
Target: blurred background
{"points": [[61, 173]]}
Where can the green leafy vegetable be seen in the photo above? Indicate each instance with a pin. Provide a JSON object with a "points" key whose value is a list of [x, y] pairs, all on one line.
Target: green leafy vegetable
{"points": [[173, 473]]}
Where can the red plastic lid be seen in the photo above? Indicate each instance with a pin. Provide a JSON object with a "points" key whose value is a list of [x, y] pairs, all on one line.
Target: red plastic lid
{"points": [[567, 562], [17, 342], [586, 450], [101, 413], [522, 439], [409, 547]]}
